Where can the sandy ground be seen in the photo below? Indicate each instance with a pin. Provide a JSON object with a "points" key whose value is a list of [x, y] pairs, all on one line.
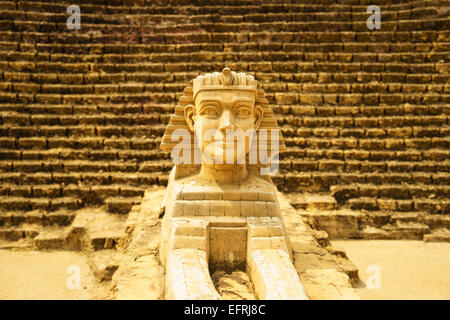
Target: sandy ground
{"points": [[408, 269], [44, 275]]}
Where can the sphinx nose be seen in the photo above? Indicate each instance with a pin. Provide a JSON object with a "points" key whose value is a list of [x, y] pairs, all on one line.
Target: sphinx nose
{"points": [[226, 121]]}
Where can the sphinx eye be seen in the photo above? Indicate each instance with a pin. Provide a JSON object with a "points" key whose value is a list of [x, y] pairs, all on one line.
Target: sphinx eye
{"points": [[210, 112], [243, 112]]}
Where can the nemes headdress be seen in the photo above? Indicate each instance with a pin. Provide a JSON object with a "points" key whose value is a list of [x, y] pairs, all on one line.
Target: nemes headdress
{"points": [[225, 80]]}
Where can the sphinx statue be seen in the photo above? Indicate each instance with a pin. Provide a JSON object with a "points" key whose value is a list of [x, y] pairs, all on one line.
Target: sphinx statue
{"points": [[221, 207]]}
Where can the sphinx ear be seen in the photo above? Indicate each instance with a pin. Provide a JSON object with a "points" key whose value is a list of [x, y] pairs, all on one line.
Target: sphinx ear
{"points": [[189, 112], [258, 116]]}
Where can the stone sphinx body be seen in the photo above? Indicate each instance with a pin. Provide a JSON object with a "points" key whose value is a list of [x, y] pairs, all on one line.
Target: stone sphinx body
{"points": [[221, 207]]}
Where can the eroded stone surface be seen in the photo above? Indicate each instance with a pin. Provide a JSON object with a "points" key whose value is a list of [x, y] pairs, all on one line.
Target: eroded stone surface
{"points": [[236, 285], [323, 277], [139, 274]]}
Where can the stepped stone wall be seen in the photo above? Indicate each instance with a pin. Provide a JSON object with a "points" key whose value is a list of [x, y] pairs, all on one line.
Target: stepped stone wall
{"points": [[364, 113]]}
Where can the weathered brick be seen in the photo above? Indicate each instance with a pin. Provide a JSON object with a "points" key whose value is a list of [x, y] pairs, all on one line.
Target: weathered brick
{"points": [[313, 99]]}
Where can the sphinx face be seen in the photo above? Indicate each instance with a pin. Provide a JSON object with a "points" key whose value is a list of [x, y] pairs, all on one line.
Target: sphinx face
{"points": [[224, 122]]}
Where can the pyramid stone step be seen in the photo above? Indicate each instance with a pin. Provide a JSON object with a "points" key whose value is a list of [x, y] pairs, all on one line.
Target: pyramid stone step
{"points": [[52, 238], [431, 206], [104, 263], [95, 229], [36, 217], [121, 205], [343, 191], [438, 235], [230, 7], [406, 217], [313, 202], [377, 219], [11, 234], [108, 235], [436, 221], [373, 233], [406, 230], [296, 11], [24, 231], [404, 24], [392, 191], [282, 60], [337, 223]]}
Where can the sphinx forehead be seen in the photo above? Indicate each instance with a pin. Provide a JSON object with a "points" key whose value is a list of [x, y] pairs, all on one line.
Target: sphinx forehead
{"points": [[226, 95]]}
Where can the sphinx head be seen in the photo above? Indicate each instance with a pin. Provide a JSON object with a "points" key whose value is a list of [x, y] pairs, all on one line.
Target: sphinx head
{"points": [[224, 116]]}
